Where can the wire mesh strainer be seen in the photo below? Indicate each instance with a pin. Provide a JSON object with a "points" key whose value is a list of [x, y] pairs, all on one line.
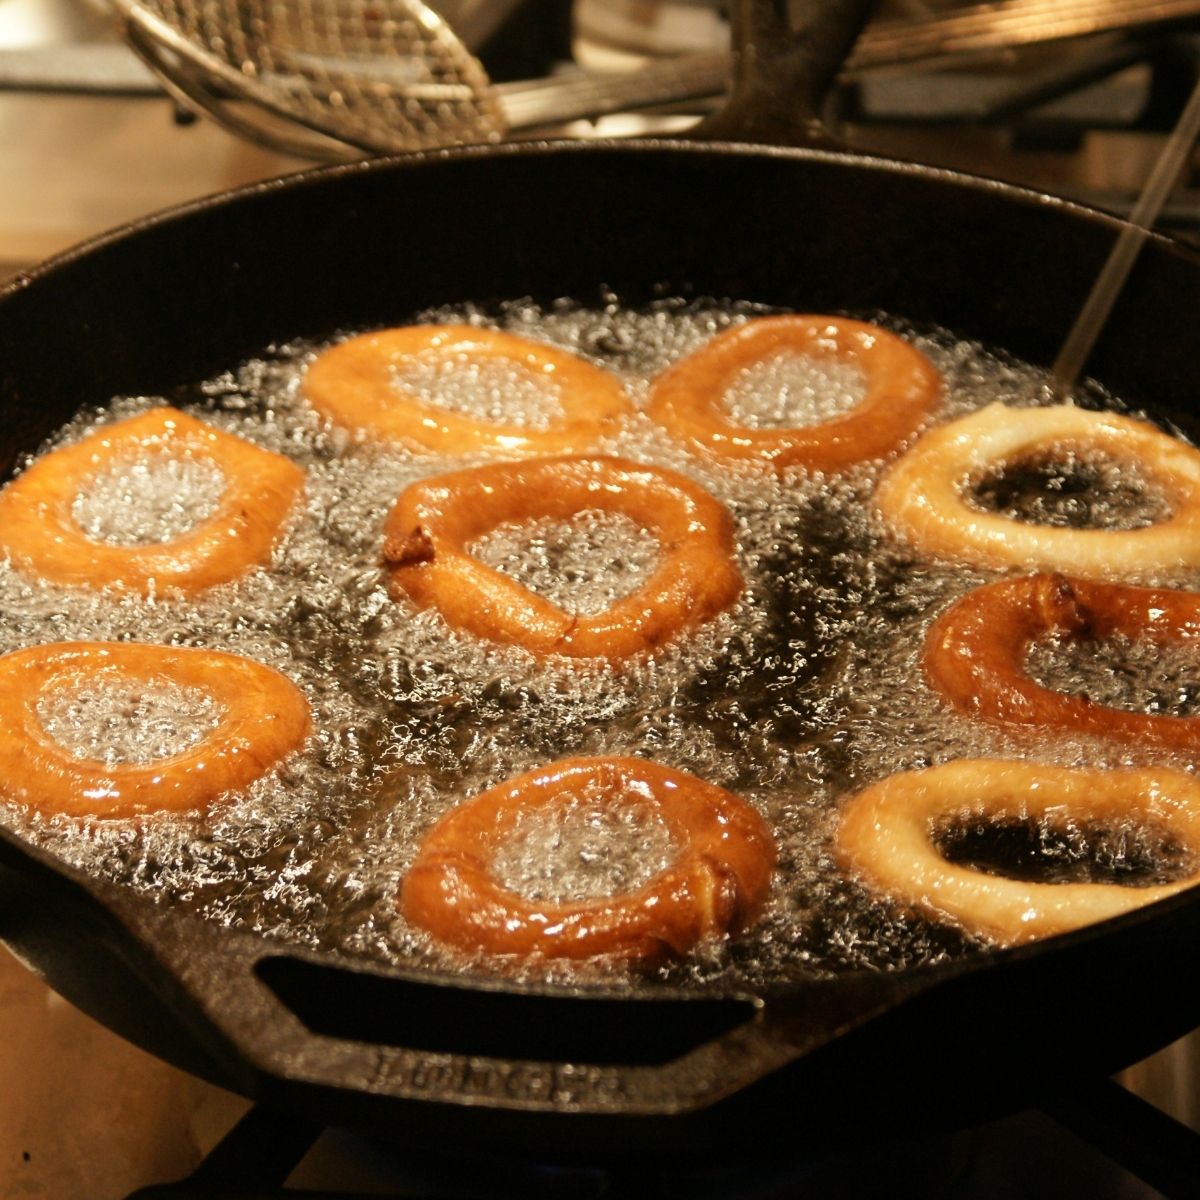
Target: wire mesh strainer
{"points": [[385, 75]]}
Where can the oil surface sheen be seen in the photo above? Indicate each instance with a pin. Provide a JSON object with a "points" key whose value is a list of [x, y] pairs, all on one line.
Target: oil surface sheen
{"points": [[807, 690]]}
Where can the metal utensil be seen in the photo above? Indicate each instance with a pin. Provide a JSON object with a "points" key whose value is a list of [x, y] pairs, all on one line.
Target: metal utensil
{"points": [[1095, 312], [333, 79], [373, 77]]}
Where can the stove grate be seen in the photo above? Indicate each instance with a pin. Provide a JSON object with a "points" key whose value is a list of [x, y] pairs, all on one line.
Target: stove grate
{"points": [[1095, 1141]]}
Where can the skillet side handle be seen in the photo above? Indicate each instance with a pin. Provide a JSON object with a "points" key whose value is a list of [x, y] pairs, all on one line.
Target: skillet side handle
{"points": [[781, 75], [296, 1024]]}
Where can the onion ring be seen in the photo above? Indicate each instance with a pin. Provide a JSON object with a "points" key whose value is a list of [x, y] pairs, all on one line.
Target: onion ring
{"points": [[351, 385], [434, 520], [902, 388], [39, 533], [265, 717], [716, 885], [975, 653], [885, 837], [921, 496]]}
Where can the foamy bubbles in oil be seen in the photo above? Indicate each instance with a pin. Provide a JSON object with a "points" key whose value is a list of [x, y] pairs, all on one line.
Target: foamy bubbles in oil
{"points": [[793, 390], [1120, 672], [493, 390], [1071, 489], [805, 691], [114, 721], [148, 498], [1065, 851], [596, 844], [582, 565]]}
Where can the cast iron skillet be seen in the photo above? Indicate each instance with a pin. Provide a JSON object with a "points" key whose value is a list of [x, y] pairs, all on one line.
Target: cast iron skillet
{"points": [[557, 1070]]}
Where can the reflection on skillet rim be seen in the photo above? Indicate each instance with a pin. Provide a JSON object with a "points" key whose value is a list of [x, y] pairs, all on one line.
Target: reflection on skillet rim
{"points": [[1062, 950]]}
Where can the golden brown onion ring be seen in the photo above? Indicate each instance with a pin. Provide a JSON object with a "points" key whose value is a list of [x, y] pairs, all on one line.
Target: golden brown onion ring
{"points": [[716, 885], [38, 530], [902, 388], [923, 495], [351, 384], [885, 836], [434, 521], [975, 653], [264, 717]]}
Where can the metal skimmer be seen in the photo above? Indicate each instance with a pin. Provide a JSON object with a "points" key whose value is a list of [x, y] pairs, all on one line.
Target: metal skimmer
{"points": [[381, 76]]}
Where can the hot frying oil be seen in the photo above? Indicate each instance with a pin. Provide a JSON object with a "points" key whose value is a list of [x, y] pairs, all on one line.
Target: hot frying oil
{"points": [[805, 691]]}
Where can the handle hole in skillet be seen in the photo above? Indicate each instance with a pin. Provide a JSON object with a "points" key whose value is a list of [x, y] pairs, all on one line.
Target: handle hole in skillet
{"points": [[445, 1019]]}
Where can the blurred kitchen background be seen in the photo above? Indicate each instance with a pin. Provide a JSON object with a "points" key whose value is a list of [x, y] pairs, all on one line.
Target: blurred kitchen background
{"points": [[1073, 96]]}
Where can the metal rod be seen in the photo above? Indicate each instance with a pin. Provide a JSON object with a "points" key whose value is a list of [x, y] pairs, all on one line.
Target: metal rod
{"points": [[1097, 307]]}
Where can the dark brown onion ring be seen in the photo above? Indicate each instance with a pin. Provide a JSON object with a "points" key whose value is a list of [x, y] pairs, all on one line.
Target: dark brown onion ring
{"points": [[717, 884], [264, 717], [40, 534], [351, 385], [902, 388], [431, 525], [975, 653]]}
